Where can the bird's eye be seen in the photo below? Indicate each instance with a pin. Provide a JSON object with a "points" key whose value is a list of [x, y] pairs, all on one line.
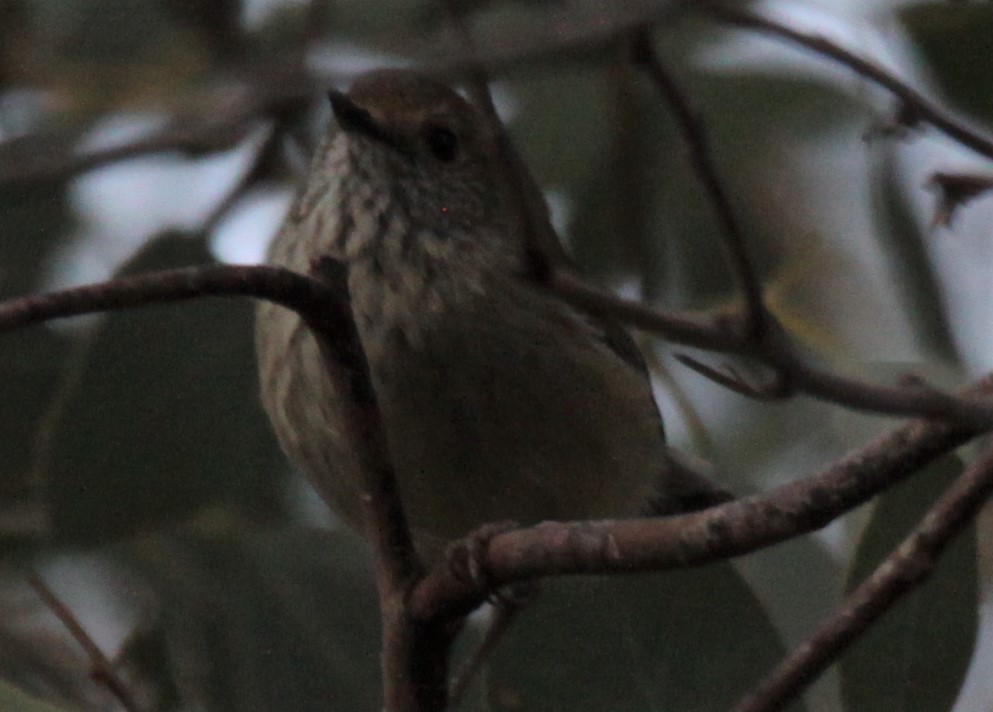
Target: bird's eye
{"points": [[443, 142]]}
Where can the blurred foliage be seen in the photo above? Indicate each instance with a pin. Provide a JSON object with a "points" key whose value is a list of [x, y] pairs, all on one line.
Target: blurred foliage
{"points": [[35, 220], [93, 55], [173, 391], [907, 253], [954, 40], [265, 620], [141, 438], [916, 657], [13, 700], [639, 641]]}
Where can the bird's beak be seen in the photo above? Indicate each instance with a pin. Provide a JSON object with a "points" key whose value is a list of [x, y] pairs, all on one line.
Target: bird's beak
{"points": [[354, 119]]}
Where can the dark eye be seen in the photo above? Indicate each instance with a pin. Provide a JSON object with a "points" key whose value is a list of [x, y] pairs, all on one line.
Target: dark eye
{"points": [[443, 142]]}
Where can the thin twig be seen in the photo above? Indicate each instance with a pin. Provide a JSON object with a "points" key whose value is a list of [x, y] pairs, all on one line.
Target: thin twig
{"points": [[305, 295], [724, 335], [699, 436], [695, 139], [560, 41], [504, 614], [890, 400], [923, 108], [103, 668], [35, 159], [220, 125], [257, 172], [323, 305], [385, 521], [729, 530], [777, 388], [776, 352], [528, 203], [954, 191], [909, 566]]}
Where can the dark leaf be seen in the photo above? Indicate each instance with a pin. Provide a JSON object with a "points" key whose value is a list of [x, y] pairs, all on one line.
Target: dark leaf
{"points": [[915, 657], [680, 641], [162, 416], [268, 621], [13, 700], [954, 38]]}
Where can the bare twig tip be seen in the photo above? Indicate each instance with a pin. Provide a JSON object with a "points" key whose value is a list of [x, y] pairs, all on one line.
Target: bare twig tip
{"points": [[955, 190]]}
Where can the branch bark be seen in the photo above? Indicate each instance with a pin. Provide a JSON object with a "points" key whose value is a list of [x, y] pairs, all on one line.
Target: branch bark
{"points": [[733, 529], [904, 570], [695, 138], [103, 670], [415, 652], [918, 105]]}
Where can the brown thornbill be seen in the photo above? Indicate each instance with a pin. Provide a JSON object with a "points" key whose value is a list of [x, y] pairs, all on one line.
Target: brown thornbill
{"points": [[500, 402]]}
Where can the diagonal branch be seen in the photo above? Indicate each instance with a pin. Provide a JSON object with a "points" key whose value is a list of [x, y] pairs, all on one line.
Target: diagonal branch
{"points": [[386, 523], [695, 138], [414, 658], [905, 569], [103, 668], [548, 549], [528, 203], [218, 125], [775, 351], [323, 305], [921, 107], [775, 388], [733, 529]]}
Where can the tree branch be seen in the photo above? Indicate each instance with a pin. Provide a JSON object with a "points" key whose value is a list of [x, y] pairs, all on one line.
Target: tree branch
{"points": [[921, 107], [416, 634], [775, 350], [695, 138], [904, 570], [216, 125], [414, 654], [322, 303], [733, 529], [309, 297], [103, 668], [954, 191]]}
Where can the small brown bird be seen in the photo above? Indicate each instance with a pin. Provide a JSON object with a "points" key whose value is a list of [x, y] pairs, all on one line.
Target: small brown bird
{"points": [[500, 401]]}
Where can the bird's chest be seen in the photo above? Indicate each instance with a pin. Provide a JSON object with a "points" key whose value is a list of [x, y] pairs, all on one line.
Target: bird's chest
{"points": [[444, 362], [495, 410]]}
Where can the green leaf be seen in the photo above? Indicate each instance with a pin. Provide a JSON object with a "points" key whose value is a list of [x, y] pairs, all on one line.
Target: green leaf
{"points": [[34, 219], [13, 700], [272, 620], [680, 641], [615, 226], [915, 657], [954, 38], [161, 416], [31, 364]]}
